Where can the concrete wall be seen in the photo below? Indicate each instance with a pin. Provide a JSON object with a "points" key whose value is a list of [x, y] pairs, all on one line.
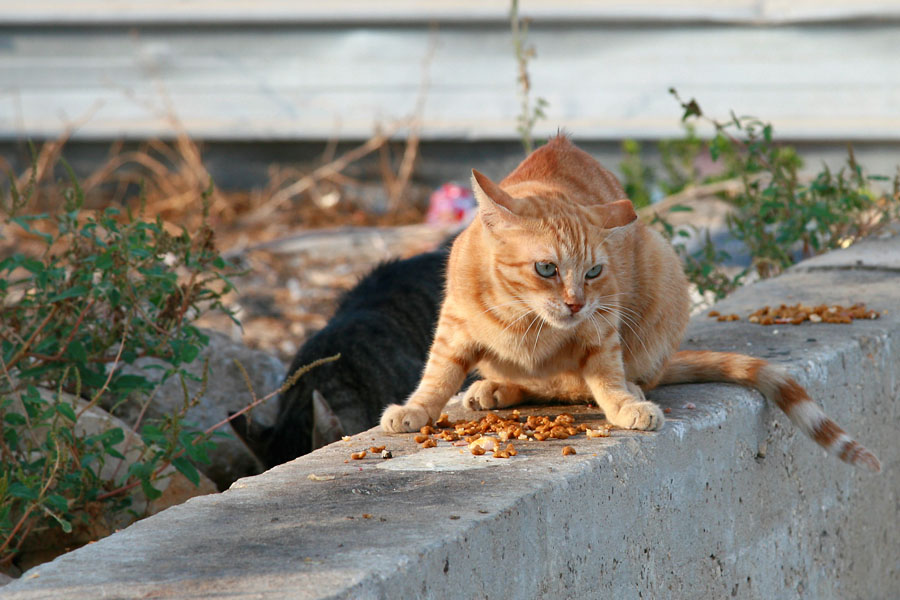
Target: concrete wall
{"points": [[727, 500]]}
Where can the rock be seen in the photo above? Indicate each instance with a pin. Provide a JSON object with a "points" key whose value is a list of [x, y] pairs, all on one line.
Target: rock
{"points": [[226, 391], [94, 522]]}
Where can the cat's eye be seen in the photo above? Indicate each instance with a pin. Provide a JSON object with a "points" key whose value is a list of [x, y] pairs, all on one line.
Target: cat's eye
{"points": [[594, 272], [545, 269]]}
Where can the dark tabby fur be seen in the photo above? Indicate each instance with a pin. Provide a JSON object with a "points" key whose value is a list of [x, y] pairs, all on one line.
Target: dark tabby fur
{"points": [[383, 328]]}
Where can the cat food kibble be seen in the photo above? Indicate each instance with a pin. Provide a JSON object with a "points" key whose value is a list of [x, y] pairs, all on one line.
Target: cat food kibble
{"points": [[376, 449], [420, 438], [597, 433], [567, 450], [443, 421], [358, 455], [822, 313], [429, 443], [476, 450]]}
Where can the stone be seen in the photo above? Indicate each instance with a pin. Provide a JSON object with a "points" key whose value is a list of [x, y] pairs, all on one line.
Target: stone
{"points": [[175, 488], [226, 391]]}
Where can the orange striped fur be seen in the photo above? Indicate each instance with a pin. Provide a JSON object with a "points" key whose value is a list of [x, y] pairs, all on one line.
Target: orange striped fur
{"points": [[604, 323], [779, 388]]}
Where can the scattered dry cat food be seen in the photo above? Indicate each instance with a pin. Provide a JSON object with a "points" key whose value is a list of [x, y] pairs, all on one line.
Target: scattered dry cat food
{"points": [[597, 433], [822, 313], [358, 455], [376, 449], [485, 443], [568, 450], [490, 431], [720, 317]]}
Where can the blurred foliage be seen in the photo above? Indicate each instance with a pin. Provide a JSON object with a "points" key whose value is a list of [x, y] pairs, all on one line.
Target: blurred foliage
{"points": [[105, 289]]}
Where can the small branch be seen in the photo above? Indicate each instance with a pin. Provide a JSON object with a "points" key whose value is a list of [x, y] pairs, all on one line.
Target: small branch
{"points": [[112, 370], [33, 505], [24, 348], [281, 197], [284, 387]]}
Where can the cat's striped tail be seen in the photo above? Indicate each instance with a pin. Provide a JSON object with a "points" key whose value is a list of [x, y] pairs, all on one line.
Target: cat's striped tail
{"points": [[690, 366]]}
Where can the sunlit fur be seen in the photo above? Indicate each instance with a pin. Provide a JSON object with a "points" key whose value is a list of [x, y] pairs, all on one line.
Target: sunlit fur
{"points": [[567, 337]]}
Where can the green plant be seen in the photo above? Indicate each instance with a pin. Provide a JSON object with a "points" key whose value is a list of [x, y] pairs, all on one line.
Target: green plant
{"points": [[780, 216], [638, 178], [101, 289], [703, 267], [528, 115]]}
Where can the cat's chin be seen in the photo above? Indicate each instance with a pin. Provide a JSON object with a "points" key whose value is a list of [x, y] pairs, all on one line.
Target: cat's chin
{"points": [[564, 322]]}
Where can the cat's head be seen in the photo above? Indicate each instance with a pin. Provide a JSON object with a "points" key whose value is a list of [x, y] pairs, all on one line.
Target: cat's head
{"points": [[551, 246]]}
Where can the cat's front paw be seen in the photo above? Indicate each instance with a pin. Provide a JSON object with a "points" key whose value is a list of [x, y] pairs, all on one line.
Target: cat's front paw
{"points": [[645, 416], [400, 418], [485, 395]]}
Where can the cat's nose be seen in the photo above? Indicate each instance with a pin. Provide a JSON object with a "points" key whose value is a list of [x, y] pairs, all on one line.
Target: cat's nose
{"points": [[574, 306]]}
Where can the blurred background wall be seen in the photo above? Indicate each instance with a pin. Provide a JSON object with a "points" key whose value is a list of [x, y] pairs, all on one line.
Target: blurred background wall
{"points": [[274, 80]]}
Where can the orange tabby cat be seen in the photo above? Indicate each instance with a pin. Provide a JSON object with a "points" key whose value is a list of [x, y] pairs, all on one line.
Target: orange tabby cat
{"points": [[557, 291]]}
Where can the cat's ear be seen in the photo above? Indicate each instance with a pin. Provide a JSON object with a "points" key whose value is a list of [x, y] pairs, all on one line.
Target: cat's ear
{"points": [[327, 427], [494, 205], [254, 435], [614, 214]]}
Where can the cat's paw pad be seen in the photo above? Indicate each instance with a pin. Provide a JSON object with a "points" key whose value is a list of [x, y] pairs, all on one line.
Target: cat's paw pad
{"points": [[645, 416], [485, 395], [401, 418]]}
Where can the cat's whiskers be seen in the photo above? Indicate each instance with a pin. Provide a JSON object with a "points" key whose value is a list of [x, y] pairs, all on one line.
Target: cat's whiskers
{"points": [[490, 308], [522, 339], [629, 322], [597, 329], [537, 337], [602, 316], [517, 319]]}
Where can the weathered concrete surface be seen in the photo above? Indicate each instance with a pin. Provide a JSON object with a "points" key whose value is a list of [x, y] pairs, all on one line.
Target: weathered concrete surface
{"points": [[728, 500]]}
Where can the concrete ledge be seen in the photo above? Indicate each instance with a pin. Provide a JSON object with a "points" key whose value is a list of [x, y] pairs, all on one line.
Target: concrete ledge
{"points": [[728, 500]]}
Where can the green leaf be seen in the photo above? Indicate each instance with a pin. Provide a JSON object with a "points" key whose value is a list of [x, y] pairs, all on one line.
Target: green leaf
{"points": [[19, 490], [63, 524], [76, 351], [680, 208], [691, 109], [128, 383], [185, 467], [151, 492], [58, 502], [114, 436], [73, 292], [15, 419], [66, 410]]}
